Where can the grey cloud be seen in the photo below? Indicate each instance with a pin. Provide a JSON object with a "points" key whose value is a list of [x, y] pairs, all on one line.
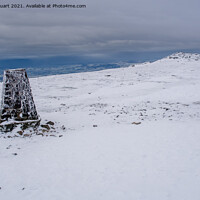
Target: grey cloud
{"points": [[104, 27]]}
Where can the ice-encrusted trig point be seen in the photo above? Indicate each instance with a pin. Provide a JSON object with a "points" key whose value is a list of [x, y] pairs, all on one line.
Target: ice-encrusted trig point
{"points": [[17, 105]]}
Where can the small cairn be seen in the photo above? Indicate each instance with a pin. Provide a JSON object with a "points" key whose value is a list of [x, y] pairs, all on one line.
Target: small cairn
{"points": [[17, 105]]}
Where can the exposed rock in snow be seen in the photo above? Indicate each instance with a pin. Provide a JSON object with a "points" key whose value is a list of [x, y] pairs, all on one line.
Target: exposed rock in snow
{"points": [[186, 56]]}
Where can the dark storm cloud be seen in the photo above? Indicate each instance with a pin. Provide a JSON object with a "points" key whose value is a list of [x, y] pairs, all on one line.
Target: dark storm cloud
{"points": [[105, 27]]}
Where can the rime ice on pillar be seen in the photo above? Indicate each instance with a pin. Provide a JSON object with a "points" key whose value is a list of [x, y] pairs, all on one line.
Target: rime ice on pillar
{"points": [[17, 100]]}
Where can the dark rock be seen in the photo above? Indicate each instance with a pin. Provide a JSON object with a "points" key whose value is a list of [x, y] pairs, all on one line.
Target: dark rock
{"points": [[44, 130], [33, 124], [50, 123], [7, 127], [40, 134], [20, 132], [136, 123], [45, 126], [27, 135]]}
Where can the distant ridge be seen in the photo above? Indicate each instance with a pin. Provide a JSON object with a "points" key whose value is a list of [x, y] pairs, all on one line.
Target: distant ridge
{"points": [[40, 67]]}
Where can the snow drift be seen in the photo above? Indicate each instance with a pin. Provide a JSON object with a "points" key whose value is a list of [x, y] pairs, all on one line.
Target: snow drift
{"points": [[130, 133]]}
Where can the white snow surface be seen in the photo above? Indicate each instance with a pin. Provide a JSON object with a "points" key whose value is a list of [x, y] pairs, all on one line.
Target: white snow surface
{"points": [[103, 155]]}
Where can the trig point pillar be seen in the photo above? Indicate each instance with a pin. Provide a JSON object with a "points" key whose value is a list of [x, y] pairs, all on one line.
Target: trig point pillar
{"points": [[17, 101]]}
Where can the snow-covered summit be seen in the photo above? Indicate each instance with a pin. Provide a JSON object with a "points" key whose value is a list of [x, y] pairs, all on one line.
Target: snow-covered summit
{"points": [[185, 56], [126, 128]]}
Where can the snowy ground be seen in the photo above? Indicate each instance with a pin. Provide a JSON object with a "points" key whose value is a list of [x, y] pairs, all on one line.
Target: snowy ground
{"points": [[130, 133]]}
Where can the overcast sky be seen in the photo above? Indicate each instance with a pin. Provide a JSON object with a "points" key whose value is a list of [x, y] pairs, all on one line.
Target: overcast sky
{"points": [[104, 28]]}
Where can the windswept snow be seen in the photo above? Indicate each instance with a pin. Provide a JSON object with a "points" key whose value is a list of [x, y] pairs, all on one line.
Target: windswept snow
{"points": [[131, 133]]}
